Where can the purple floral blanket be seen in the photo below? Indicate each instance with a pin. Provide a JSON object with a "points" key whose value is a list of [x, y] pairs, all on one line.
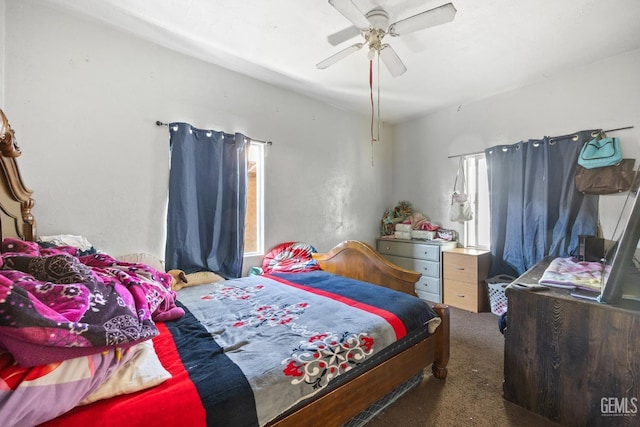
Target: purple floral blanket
{"points": [[56, 305]]}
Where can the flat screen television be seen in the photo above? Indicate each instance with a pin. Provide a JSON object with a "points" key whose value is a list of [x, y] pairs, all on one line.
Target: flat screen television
{"points": [[622, 284]]}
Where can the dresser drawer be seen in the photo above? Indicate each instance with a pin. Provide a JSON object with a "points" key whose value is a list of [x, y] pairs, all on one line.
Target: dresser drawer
{"points": [[410, 250], [461, 295], [426, 268], [460, 267], [428, 284], [429, 296]]}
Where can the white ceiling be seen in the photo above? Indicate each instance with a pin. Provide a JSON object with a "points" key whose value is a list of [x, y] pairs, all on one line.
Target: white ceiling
{"points": [[490, 47]]}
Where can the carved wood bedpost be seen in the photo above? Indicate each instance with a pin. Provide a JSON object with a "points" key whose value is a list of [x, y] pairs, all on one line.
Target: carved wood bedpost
{"points": [[439, 367], [15, 222]]}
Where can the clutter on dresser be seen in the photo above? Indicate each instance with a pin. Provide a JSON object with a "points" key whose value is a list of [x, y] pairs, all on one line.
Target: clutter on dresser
{"points": [[447, 234], [403, 222], [391, 217]]}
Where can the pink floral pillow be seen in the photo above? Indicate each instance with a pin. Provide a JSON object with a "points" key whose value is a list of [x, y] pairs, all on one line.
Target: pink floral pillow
{"points": [[290, 257]]}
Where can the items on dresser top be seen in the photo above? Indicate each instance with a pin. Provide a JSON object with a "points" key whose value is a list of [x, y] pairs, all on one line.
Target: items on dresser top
{"points": [[569, 273], [422, 256], [391, 217], [566, 358], [403, 222], [464, 273]]}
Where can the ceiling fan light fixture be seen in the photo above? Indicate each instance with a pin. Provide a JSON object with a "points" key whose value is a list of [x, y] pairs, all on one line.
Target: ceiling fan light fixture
{"points": [[374, 26], [378, 18]]}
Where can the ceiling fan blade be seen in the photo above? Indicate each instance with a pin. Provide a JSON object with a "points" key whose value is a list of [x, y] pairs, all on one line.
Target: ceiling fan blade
{"points": [[429, 18], [392, 60], [343, 35], [351, 12], [338, 56]]}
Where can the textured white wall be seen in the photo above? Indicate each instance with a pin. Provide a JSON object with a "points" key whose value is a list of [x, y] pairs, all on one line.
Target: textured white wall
{"points": [[84, 98], [604, 95]]}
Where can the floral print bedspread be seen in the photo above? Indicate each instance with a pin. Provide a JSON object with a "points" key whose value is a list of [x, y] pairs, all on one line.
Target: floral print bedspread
{"points": [[56, 305]]}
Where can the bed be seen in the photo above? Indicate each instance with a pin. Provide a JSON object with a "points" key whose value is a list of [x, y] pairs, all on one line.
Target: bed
{"points": [[338, 337]]}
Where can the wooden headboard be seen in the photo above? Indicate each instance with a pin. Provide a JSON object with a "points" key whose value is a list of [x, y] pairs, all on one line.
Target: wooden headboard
{"points": [[16, 219], [358, 260]]}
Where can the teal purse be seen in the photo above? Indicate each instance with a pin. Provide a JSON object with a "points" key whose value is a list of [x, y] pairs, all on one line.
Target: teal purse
{"points": [[599, 153]]}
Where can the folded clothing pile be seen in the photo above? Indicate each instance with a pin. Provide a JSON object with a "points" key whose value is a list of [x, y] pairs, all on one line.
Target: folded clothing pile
{"points": [[403, 230], [416, 226], [403, 223], [423, 234]]}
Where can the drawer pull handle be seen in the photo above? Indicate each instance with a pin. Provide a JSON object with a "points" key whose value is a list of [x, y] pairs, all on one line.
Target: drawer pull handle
{"points": [[460, 268], [460, 296]]}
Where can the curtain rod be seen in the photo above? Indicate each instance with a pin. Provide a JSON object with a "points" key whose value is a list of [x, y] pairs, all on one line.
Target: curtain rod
{"points": [[259, 141], [482, 152]]}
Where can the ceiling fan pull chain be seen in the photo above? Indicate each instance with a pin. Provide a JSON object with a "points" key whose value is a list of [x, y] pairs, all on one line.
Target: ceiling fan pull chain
{"points": [[371, 95], [378, 77], [372, 106]]}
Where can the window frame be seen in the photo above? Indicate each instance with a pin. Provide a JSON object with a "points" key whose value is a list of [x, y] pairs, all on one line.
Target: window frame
{"points": [[475, 169], [257, 155]]}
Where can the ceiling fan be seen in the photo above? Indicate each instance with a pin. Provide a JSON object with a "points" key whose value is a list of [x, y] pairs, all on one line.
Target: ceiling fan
{"points": [[374, 25]]}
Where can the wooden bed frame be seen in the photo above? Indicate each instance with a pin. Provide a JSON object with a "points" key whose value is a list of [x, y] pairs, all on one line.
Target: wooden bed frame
{"points": [[352, 259], [16, 203], [360, 261]]}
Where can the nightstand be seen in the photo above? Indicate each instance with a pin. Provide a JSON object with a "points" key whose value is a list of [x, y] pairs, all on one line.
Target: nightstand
{"points": [[464, 273], [423, 256]]}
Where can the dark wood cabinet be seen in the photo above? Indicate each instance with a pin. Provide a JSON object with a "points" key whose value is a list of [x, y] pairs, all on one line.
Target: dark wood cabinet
{"points": [[573, 361]]}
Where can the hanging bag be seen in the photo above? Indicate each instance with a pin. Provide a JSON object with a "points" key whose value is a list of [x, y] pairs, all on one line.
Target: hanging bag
{"points": [[608, 179], [600, 152], [460, 210]]}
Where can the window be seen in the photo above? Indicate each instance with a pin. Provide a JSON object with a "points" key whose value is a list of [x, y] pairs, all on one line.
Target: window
{"points": [[476, 231], [254, 221]]}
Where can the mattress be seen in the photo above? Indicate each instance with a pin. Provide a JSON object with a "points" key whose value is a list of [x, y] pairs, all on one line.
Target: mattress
{"points": [[249, 350]]}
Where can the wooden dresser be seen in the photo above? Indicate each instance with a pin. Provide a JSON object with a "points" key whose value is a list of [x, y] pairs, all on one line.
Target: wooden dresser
{"points": [[423, 256], [573, 361], [464, 273]]}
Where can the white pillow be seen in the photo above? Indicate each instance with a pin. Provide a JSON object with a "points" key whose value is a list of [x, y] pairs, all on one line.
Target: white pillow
{"points": [[79, 242], [143, 258], [143, 370]]}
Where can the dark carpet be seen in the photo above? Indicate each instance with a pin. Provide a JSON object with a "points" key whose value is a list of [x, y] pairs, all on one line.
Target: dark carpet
{"points": [[471, 395]]}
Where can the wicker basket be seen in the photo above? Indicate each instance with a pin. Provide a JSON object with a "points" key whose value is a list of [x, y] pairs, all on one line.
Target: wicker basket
{"points": [[497, 298]]}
